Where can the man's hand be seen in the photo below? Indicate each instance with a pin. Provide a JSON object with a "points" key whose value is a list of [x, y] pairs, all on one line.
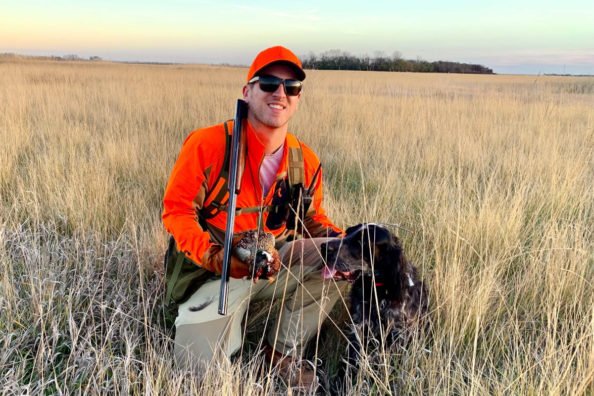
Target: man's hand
{"points": [[212, 260]]}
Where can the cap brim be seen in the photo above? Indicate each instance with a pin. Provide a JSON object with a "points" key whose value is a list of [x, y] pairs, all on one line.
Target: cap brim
{"points": [[299, 73]]}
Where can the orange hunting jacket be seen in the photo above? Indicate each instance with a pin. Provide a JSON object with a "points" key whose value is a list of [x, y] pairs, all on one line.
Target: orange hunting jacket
{"points": [[194, 174]]}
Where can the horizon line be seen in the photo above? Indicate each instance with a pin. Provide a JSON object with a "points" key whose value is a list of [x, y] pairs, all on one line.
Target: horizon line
{"points": [[96, 58]]}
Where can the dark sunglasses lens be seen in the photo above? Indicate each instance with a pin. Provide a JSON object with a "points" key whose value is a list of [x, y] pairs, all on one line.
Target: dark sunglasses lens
{"points": [[292, 87], [269, 83]]}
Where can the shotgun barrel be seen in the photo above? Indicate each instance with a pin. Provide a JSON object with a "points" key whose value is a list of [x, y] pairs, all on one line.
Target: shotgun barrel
{"points": [[235, 171]]}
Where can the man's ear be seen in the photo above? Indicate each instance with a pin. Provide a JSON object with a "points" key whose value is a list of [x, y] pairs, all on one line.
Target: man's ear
{"points": [[245, 92]]}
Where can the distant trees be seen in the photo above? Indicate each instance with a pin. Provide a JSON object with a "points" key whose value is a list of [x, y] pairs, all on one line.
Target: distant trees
{"points": [[341, 60], [72, 57]]}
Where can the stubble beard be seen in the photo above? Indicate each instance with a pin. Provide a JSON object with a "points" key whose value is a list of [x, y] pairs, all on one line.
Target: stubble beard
{"points": [[270, 122]]}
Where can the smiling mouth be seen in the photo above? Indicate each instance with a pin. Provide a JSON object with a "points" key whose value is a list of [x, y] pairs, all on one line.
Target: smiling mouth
{"points": [[276, 106]]}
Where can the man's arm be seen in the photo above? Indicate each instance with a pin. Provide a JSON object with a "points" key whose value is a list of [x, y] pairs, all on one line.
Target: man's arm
{"points": [[184, 195], [201, 155]]}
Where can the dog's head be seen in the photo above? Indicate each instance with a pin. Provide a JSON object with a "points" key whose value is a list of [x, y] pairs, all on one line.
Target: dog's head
{"points": [[360, 251]]}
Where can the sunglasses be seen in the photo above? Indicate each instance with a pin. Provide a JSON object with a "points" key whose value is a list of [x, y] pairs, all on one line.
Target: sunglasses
{"points": [[271, 83]]}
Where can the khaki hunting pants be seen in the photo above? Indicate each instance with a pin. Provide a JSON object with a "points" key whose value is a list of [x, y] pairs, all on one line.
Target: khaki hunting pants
{"points": [[303, 296]]}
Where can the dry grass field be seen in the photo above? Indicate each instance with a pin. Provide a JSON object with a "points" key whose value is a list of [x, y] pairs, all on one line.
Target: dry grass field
{"points": [[491, 179]]}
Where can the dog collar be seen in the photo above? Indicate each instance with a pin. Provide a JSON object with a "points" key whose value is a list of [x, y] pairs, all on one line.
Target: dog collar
{"points": [[377, 277]]}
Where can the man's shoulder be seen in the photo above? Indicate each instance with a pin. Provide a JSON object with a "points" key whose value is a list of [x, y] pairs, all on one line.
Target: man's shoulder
{"points": [[309, 155], [209, 137]]}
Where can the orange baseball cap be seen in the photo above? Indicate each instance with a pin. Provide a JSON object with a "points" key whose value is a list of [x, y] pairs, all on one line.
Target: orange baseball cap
{"points": [[276, 54]]}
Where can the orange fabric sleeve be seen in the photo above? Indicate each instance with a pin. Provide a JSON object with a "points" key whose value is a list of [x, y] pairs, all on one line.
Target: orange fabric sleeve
{"points": [[187, 179]]}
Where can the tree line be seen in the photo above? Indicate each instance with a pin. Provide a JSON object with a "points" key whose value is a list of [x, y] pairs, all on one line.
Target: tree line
{"points": [[340, 60]]}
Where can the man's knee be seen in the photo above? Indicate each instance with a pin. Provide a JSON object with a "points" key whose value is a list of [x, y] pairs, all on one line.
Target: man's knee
{"points": [[307, 252], [197, 344], [201, 333]]}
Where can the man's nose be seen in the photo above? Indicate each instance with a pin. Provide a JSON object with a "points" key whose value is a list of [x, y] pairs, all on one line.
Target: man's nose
{"points": [[280, 91]]}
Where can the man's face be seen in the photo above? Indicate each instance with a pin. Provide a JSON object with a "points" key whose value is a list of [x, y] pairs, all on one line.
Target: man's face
{"points": [[271, 109]]}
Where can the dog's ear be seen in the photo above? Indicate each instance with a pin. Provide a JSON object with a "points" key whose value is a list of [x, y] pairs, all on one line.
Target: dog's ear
{"points": [[379, 236], [390, 250], [376, 241]]}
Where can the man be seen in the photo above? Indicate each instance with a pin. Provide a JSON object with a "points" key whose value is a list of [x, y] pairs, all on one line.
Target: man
{"points": [[272, 92]]}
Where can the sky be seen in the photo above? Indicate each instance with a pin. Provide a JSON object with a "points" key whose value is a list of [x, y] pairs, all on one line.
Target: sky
{"points": [[509, 36]]}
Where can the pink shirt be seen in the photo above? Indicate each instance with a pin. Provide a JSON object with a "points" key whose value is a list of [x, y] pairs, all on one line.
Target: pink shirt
{"points": [[269, 168]]}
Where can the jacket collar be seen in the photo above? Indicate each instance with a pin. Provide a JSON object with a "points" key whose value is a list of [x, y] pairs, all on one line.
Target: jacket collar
{"points": [[256, 149], [256, 152]]}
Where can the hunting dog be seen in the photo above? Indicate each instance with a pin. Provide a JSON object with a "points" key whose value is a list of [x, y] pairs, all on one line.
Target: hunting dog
{"points": [[387, 297]]}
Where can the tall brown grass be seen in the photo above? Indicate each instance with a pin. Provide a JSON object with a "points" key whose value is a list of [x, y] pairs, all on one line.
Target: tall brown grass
{"points": [[490, 179]]}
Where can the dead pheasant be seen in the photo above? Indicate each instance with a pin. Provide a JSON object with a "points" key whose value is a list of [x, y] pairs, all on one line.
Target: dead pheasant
{"points": [[257, 250]]}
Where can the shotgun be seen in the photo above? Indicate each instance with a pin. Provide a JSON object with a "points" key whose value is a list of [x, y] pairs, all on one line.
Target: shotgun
{"points": [[234, 184]]}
